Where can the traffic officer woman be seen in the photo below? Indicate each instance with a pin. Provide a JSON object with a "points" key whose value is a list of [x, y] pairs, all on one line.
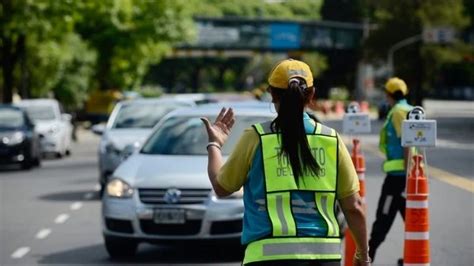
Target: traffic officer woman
{"points": [[391, 199], [293, 170]]}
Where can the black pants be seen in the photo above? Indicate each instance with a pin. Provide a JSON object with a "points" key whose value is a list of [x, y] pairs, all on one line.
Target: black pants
{"points": [[390, 202], [296, 263]]}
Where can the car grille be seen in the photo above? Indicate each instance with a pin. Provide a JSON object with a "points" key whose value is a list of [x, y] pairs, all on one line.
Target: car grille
{"points": [[190, 227], [188, 196]]}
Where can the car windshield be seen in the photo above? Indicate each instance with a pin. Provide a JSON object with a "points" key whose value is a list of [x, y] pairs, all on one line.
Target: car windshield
{"points": [[40, 112], [143, 115], [186, 135], [11, 118]]}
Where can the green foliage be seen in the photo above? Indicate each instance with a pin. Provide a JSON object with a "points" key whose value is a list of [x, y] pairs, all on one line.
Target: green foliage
{"points": [[129, 35], [290, 9], [22, 20], [419, 63], [64, 67], [339, 94], [150, 91]]}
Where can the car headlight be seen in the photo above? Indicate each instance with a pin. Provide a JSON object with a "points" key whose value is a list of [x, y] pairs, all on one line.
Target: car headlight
{"points": [[15, 138], [118, 188]]}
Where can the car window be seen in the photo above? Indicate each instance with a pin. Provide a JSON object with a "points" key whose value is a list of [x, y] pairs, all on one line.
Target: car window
{"points": [[186, 135], [140, 115], [11, 118], [40, 112]]}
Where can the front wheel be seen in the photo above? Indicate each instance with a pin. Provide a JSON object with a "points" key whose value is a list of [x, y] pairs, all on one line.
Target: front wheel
{"points": [[119, 247]]}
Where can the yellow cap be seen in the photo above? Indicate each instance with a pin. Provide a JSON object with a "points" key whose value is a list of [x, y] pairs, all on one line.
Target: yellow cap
{"points": [[287, 69], [396, 84]]}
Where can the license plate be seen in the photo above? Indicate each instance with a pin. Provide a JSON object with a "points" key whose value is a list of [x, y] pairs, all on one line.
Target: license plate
{"points": [[169, 216]]}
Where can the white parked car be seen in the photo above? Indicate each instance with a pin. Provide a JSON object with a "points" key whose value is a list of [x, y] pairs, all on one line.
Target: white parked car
{"points": [[54, 127], [129, 124], [162, 191]]}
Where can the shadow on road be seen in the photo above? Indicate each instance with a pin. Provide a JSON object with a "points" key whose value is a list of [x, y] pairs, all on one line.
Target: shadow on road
{"points": [[70, 196], [197, 254]]}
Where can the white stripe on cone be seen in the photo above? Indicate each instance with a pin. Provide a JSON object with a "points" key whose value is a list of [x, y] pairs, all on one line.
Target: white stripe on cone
{"points": [[417, 235], [415, 204]]}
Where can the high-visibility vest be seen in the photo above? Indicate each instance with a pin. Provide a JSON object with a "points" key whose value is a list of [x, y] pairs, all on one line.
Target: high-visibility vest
{"points": [[391, 164], [285, 243]]}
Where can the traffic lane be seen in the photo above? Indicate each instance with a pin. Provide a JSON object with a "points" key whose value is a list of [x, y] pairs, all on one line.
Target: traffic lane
{"points": [[30, 204], [79, 241], [459, 129], [59, 185], [451, 220], [454, 160], [33, 202]]}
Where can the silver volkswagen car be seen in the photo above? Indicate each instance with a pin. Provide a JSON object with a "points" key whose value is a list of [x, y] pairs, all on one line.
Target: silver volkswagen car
{"points": [[162, 191], [130, 123]]}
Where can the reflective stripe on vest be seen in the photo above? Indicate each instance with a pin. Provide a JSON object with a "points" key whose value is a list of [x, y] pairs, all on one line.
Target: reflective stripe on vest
{"points": [[279, 185], [306, 248], [325, 203], [394, 165], [279, 210]]}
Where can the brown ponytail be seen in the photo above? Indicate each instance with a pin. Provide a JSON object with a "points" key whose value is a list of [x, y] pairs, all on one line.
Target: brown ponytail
{"points": [[289, 123]]}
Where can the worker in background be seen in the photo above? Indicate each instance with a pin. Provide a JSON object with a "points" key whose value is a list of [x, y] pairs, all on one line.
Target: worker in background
{"points": [[391, 199], [293, 170]]}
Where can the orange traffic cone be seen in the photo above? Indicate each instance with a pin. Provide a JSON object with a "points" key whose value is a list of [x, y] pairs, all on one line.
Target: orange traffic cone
{"points": [[339, 108], [359, 164], [364, 107], [417, 243]]}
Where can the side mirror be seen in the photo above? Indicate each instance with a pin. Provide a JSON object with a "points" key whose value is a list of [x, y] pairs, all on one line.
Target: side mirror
{"points": [[66, 117], [129, 150], [98, 129], [31, 124]]}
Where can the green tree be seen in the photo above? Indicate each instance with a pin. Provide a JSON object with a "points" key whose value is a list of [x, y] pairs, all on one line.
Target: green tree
{"points": [[290, 9], [20, 20], [129, 35], [417, 63]]}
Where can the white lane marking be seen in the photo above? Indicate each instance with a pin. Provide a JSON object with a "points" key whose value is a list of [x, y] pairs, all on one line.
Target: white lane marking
{"points": [[19, 253], [88, 195], [43, 233], [61, 218], [76, 206]]}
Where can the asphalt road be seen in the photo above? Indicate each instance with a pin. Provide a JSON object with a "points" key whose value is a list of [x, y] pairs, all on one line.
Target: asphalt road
{"points": [[51, 215]]}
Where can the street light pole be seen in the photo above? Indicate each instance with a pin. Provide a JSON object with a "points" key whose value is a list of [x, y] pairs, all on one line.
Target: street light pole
{"points": [[396, 47]]}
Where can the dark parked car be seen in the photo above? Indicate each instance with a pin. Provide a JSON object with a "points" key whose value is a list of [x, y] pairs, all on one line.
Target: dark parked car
{"points": [[19, 142]]}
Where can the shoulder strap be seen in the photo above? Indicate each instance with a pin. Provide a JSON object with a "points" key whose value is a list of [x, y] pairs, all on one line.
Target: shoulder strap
{"points": [[263, 128], [321, 129]]}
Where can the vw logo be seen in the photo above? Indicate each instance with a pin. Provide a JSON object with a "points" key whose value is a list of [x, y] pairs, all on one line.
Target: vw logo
{"points": [[172, 196]]}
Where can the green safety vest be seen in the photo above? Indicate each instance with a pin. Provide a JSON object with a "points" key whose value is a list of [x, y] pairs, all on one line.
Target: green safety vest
{"points": [[284, 243], [392, 165]]}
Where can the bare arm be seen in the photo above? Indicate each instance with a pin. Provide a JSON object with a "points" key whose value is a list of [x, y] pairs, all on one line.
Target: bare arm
{"points": [[218, 134], [353, 209], [215, 163]]}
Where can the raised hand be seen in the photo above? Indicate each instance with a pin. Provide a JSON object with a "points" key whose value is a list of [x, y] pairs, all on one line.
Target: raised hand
{"points": [[220, 130]]}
